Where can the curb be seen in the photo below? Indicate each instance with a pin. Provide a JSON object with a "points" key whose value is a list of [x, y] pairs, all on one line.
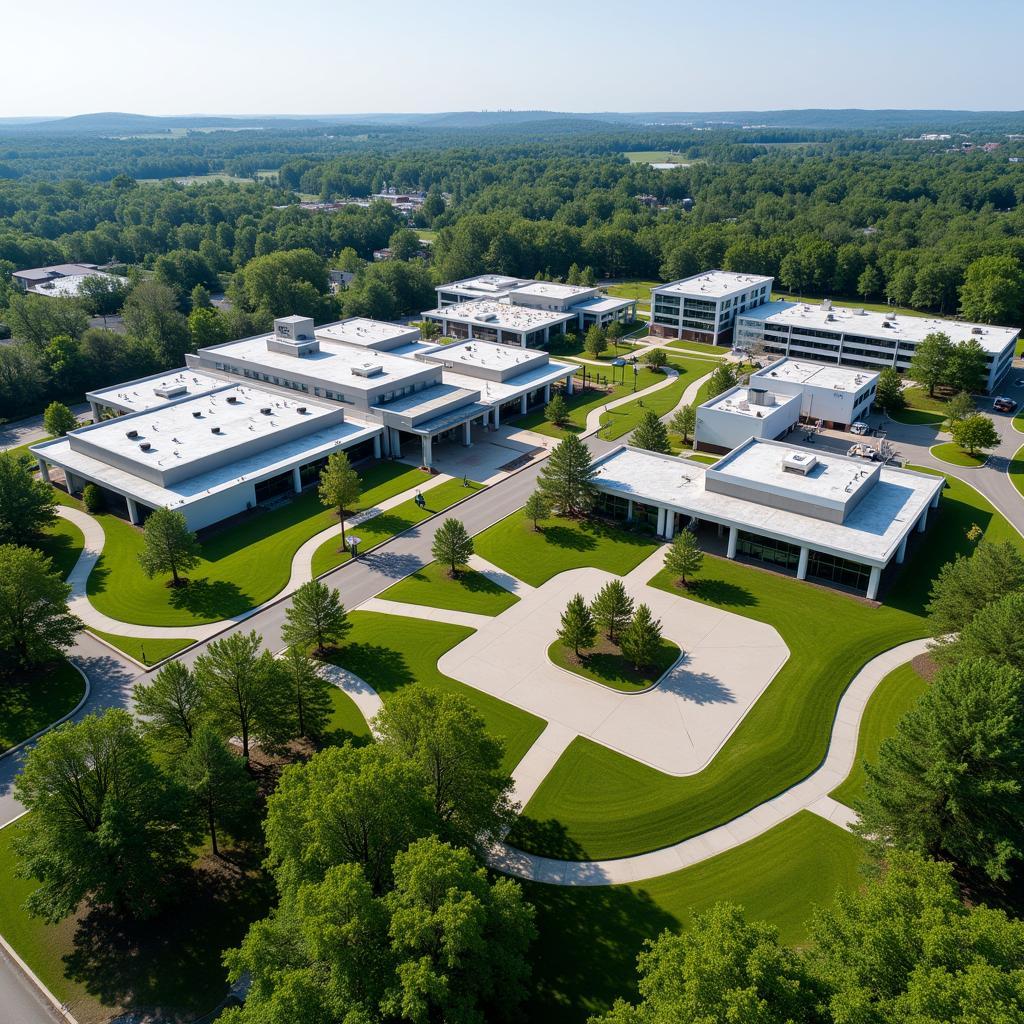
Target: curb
{"points": [[60, 1007], [53, 725]]}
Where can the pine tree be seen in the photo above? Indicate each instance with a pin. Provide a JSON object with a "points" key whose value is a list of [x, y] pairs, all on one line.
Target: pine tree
{"points": [[684, 557], [612, 608], [684, 422], [315, 616], [641, 638], [340, 486], [577, 629], [557, 410], [537, 508], [566, 479], [168, 545], [651, 434], [452, 545]]}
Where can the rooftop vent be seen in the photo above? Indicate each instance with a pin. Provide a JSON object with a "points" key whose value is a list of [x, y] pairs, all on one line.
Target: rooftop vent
{"points": [[132, 434], [196, 413], [799, 462], [145, 446], [977, 330], [214, 430], [170, 390], [233, 399], [265, 410], [368, 370], [301, 410]]}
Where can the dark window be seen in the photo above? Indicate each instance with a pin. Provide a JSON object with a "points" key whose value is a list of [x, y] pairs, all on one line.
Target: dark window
{"points": [[838, 570], [764, 549]]}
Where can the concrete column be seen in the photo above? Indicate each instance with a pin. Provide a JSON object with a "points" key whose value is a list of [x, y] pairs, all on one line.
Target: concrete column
{"points": [[661, 521], [922, 523], [396, 443], [94, 410], [296, 480], [133, 512], [44, 471], [721, 530], [376, 447], [734, 536], [547, 393], [74, 484], [547, 334], [523, 404], [901, 551], [497, 416], [873, 581], [386, 441], [801, 568], [568, 385], [670, 524], [935, 499], [427, 439], [487, 419], [629, 510], [467, 434]]}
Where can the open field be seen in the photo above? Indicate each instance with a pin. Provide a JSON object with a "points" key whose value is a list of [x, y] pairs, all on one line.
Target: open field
{"points": [[656, 156]]}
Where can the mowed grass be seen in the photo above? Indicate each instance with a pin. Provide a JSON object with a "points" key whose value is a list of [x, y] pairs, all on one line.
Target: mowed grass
{"points": [[30, 701], [391, 652], [535, 556], [346, 723], [601, 804], [952, 453], [1015, 470], [696, 348], [585, 956], [388, 524], [243, 564], [62, 543], [608, 666], [468, 591], [147, 650], [894, 696], [921, 408]]}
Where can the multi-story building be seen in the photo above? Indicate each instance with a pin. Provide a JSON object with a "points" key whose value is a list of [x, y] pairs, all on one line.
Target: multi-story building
{"points": [[858, 337], [705, 307]]}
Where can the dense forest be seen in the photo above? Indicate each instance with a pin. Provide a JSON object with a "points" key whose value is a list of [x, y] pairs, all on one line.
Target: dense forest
{"points": [[860, 214]]}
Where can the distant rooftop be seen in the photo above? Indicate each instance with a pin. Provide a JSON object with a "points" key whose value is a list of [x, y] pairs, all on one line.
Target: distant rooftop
{"points": [[713, 284], [819, 375], [157, 390], [485, 284], [359, 330], [490, 313], [737, 401], [552, 289]]}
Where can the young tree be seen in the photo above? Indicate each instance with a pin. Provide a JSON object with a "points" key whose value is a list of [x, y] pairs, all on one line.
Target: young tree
{"points": [[309, 693], [458, 761], [577, 625], [315, 616], [452, 545], [722, 378], [966, 369], [959, 407], [199, 297], [168, 545], [684, 422], [219, 784], [684, 557], [557, 410], [58, 419], [595, 343], [641, 638], [929, 364], [655, 358], [612, 609], [172, 707], [975, 433], [613, 332], [651, 434], [537, 508], [26, 505], [970, 582], [35, 624], [340, 487], [566, 478], [870, 282], [889, 391], [722, 968], [947, 783], [106, 825], [207, 326]]}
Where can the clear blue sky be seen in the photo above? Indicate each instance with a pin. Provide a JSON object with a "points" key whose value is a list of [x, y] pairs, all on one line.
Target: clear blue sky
{"points": [[317, 56]]}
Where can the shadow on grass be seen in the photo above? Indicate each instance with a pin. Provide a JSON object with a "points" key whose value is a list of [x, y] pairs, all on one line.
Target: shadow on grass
{"points": [[383, 668], [61, 549], [339, 737], [720, 592], [217, 599], [564, 537]]}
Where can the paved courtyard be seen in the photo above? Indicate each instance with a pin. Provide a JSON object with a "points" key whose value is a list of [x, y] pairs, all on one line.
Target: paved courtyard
{"points": [[678, 726]]}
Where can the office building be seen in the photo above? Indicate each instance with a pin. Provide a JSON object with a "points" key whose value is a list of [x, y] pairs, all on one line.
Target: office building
{"points": [[704, 307]]}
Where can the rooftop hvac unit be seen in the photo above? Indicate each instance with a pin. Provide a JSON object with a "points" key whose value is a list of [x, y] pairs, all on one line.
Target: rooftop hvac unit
{"points": [[145, 446], [196, 414], [232, 399], [301, 410], [214, 430], [799, 462], [132, 434], [977, 330], [265, 410]]}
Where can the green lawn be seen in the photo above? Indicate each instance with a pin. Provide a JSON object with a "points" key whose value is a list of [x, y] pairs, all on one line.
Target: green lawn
{"points": [[107, 967], [897, 693], [469, 591], [708, 459], [386, 525], [952, 453], [585, 956], [696, 348], [608, 805], [30, 701], [608, 666], [705, 391], [63, 543], [346, 722], [571, 346], [1015, 470], [921, 407], [535, 556], [391, 652], [149, 650], [243, 564]]}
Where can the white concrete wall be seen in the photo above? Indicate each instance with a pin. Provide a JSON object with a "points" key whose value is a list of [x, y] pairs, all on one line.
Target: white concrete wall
{"points": [[723, 429], [219, 506]]}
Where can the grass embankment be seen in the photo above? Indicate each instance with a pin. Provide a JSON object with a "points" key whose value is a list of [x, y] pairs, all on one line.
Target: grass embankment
{"points": [[244, 563], [607, 665], [534, 556], [30, 701], [585, 956], [897, 693], [396, 520], [602, 804], [391, 652], [468, 591], [952, 453]]}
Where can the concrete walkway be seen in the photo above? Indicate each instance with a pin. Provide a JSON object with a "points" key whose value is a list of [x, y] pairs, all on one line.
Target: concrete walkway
{"points": [[504, 579], [594, 416], [421, 611], [363, 695]]}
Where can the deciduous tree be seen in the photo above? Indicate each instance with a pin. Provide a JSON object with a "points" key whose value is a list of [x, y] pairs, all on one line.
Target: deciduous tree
{"points": [[309, 693], [684, 557], [889, 391], [929, 365], [959, 407], [27, 505], [58, 419], [975, 433], [684, 422], [168, 545], [452, 546], [172, 706]]}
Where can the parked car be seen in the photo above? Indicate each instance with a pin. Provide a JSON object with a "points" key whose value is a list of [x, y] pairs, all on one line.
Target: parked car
{"points": [[863, 451], [859, 428], [1003, 404]]}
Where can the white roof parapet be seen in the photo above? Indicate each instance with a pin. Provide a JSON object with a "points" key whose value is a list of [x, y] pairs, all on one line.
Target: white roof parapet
{"points": [[712, 284]]}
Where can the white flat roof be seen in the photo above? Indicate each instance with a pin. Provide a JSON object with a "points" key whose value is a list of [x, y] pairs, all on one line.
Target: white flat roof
{"points": [[818, 375], [489, 313], [141, 394], [871, 533], [360, 330], [868, 324], [713, 284], [601, 304], [737, 401], [472, 352], [554, 290], [485, 284], [69, 285], [494, 392]]}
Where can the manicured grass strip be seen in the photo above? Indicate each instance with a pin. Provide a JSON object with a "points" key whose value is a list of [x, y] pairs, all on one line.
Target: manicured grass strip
{"points": [[952, 453], [621, 420], [535, 556], [469, 591], [897, 693], [708, 459], [608, 666], [608, 805], [243, 564], [391, 652], [386, 525], [697, 348], [1015, 470], [148, 650], [346, 722], [63, 543], [30, 701], [585, 956], [921, 407]]}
